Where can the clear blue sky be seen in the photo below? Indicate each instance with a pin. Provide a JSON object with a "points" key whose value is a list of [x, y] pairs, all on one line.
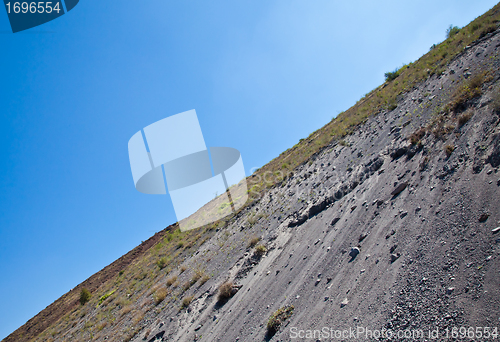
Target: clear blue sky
{"points": [[260, 74]]}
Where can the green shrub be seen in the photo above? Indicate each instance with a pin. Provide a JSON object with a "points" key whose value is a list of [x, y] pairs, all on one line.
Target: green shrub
{"points": [[278, 318], [84, 296], [391, 75], [106, 296], [451, 31]]}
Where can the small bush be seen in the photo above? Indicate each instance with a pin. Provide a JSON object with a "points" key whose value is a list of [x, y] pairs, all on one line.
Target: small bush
{"points": [[161, 263], [260, 250], [84, 296], [451, 31], [160, 295], [449, 149], [391, 75], [278, 318], [183, 268], [253, 241], [186, 301], [171, 280], [225, 291]]}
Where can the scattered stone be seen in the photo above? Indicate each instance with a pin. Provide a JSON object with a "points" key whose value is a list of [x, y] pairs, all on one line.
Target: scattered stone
{"points": [[328, 280], [483, 217], [344, 303], [403, 214], [354, 252], [495, 230], [362, 271], [317, 241], [450, 290], [362, 236], [394, 257], [198, 327], [489, 172], [317, 282], [399, 189], [326, 298], [393, 248], [353, 207], [334, 221]]}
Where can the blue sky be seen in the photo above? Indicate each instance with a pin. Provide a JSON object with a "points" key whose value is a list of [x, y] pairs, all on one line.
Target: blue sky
{"points": [[260, 74]]}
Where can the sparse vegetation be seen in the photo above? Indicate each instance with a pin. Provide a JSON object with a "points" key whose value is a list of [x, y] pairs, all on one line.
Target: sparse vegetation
{"points": [[278, 318], [467, 91], [84, 296]]}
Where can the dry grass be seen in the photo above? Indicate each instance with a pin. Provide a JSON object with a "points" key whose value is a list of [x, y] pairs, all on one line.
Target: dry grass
{"points": [[260, 250], [448, 149], [204, 279], [160, 295], [417, 136], [225, 291], [186, 301], [125, 310], [278, 318], [253, 241], [171, 280], [465, 117]]}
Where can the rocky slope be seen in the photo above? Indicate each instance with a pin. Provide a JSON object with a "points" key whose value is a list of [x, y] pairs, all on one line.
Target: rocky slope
{"points": [[391, 228]]}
